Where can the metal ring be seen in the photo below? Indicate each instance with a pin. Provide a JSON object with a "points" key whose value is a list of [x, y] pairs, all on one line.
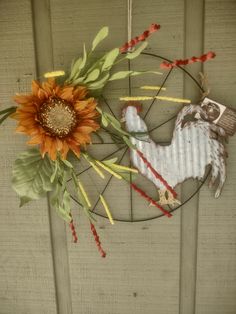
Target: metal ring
{"points": [[202, 182]]}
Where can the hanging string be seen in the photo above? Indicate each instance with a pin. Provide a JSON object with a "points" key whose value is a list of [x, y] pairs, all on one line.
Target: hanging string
{"points": [[129, 19]]}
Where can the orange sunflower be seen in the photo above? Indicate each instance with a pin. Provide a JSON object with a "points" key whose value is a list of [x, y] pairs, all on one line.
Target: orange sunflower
{"points": [[58, 118]]}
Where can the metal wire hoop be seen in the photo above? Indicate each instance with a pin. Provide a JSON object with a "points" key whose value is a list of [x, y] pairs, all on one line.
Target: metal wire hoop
{"points": [[171, 210]]}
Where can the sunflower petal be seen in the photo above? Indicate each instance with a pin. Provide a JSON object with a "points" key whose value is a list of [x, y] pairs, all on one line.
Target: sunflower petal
{"points": [[59, 144], [53, 149], [80, 105], [35, 87], [37, 139], [67, 93], [23, 99], [20, 129], [64, 150], [49, 147], [27, 109], [42, 94], [75, 148], [80, 93], [81, 138], [85, 129]]}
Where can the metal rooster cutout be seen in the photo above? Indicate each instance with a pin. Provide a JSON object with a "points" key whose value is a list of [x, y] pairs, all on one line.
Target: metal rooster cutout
{"points": [[196, 143]]}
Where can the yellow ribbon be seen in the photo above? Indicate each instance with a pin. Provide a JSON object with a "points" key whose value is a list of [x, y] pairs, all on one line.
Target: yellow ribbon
{"points": [[139, 98], [99, 172], [85, 195], [107, 209], [147, 87], [125, 168], [54, 74], [108, 169]]}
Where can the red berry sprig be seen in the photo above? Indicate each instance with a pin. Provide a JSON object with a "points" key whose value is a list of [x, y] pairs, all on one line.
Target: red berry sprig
{"points": [[134, 41], [205, 57], [96, 238], [73, 231]]}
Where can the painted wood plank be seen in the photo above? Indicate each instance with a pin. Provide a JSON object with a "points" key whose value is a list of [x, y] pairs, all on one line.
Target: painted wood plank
{"points": [[193, 30], [91, 283], [44, 63], [26, 270], [169, 43], [216, 266]]}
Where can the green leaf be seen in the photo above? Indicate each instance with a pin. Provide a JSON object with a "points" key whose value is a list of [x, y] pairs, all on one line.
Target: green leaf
{"points": [[128, 142], [116, 125], [99, 84], [120, 75], [62, 212], [101, 35], [113, 120], [92, 76], [123, 74], [24, 200], [67, 163], [75, 67], [55, 195], [72, 64], [66, 201], [7, 110], [110, 58], [110, 162], [104, 121], [82, 64], [137, 52], [32, 174], [78, 65], [3, 118], [78, 80], [53, 176]]}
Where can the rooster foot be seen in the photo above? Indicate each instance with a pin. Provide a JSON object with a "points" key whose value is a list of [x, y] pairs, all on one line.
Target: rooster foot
{"points": [[167, 198]]}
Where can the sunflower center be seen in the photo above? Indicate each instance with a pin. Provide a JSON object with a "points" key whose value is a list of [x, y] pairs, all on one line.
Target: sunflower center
{"points": [[58, 117]]}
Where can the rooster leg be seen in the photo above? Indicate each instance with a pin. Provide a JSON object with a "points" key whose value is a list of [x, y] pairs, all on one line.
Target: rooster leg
{"points": [[162, 197], [163, 200], [172, 200], [167, 198]]}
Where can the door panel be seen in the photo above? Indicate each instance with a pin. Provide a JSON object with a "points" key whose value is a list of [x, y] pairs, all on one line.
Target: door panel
{"points": [[26, 272]]}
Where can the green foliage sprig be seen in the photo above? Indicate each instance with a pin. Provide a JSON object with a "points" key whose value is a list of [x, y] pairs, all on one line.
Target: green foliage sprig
{"points": [[94, 72]]}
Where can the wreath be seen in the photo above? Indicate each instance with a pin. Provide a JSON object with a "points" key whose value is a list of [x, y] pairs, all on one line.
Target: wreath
{"points": [[61, 114]]}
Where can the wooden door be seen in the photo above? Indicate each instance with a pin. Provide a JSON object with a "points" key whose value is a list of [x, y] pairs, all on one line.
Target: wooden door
{"points": [[184, 265]]}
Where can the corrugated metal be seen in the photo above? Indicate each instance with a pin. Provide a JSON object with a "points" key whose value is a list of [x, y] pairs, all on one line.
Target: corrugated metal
{"points": [[192, 149]]}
